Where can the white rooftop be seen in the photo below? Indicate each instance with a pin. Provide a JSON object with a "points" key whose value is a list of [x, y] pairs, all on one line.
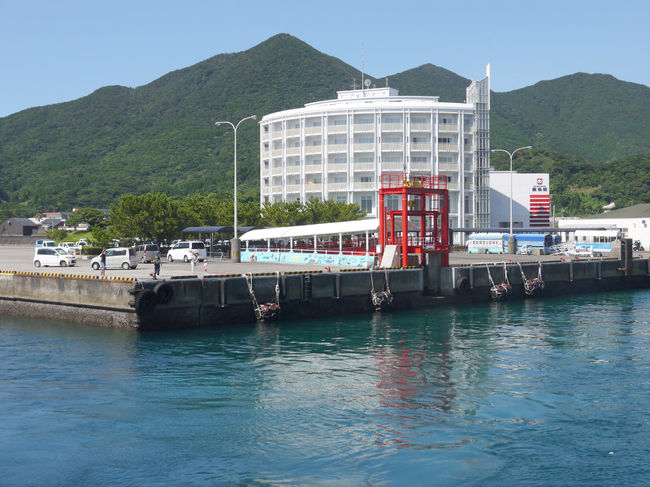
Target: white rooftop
{"points": [[318, 229]]}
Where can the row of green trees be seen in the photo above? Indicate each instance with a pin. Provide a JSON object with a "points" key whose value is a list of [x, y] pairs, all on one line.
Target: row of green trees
{"points": [[156, 216]]}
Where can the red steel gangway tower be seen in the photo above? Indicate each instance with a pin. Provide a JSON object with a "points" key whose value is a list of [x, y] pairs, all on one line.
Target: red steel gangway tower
{"points": [[424, 199]]}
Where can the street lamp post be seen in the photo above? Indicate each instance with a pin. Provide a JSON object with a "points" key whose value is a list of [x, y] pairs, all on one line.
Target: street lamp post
{"points": [[511, 154], [234, 243]]}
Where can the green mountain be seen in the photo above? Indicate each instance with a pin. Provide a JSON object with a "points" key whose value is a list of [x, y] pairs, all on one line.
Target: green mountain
{"points": [[161, 137]]}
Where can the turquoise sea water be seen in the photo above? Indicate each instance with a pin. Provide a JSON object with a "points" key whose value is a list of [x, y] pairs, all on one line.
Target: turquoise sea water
{"points": [[539, 392]]}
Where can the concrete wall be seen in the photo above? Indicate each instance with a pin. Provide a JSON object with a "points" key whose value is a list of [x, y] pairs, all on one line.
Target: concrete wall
{"points": [[472, 283], [75, 299]]}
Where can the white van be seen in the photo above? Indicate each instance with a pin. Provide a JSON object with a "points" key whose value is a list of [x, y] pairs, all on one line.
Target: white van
{"points": [[146, 252], [185, 250], [46, 256], [117, 257]]}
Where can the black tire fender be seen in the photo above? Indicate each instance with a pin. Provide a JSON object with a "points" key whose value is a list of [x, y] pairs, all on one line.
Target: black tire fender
{"points": [[145, 301], [164, 292], [462, 284]]}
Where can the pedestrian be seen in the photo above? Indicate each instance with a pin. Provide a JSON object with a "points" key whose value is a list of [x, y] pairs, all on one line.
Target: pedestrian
{"points": [[195, 259], [156, 265], [102, 262]]}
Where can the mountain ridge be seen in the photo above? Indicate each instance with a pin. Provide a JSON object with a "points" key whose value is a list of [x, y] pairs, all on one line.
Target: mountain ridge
{"points": [[161, 136]]}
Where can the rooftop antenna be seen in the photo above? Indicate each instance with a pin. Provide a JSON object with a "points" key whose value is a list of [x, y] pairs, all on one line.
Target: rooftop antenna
{"points": [[386, 81], [363, 64]]}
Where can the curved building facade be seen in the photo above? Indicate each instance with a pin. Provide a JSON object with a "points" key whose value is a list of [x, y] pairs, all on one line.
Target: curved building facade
{"points": [[338, 149]]}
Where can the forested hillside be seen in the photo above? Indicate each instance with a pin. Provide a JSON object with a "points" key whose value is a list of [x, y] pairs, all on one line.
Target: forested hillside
{"points": [[161, 137]]}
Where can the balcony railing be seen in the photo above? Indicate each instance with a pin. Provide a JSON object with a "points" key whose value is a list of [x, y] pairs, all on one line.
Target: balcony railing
{"points": [[293, 132], [469, 147], [364, 127], [359, 185], [276, 153], [420, 166], [337, 129], [420, 127], [448, 147], [293, 169], [313, 149], [337, 186], [364, 147], [293, 188], [313, 187], [421, 146], [363, 166], [392, 127], [277, 171], [313, 130], [293, 151], [392, 166], [448, 127], [445, 166], [392, 146], [313, 168], [337, 167], [276, 189]]}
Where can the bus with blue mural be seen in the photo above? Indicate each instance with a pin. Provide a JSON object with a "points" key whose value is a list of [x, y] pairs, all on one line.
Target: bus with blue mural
{"points": [[485, 243], [595, 240], [497, 243]]}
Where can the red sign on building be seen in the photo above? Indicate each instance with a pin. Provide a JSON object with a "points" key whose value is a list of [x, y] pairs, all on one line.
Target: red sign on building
{"points": [[540, 210]]}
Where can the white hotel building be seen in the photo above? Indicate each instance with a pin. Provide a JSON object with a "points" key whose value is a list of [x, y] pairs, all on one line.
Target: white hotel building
{"points": [[338, 149]]}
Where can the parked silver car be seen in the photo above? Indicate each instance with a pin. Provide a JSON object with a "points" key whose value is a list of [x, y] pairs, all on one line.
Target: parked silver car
{"points": [[117, 257]]}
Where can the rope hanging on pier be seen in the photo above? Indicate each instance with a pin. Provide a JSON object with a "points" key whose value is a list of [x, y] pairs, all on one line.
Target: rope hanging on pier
{"points": [[535, 285], [266, 311], [383, 299], [499, 292]]}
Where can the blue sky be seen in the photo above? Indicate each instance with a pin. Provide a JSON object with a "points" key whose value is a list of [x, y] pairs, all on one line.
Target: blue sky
{"points": [[59, 50]]}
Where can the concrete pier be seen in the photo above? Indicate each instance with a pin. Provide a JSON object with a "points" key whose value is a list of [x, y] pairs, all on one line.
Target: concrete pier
{"points": [[221, 299]]}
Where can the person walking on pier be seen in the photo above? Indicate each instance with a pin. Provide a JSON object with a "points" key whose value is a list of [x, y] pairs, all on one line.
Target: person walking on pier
{"points": [[102, 264], [156, 265]]}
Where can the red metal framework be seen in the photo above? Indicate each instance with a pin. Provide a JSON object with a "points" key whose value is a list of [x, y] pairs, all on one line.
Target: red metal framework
{"points": [[424, 199]]}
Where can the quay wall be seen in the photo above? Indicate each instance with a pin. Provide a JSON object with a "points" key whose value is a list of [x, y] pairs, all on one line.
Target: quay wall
{"points": [[472, 282], [77, 299], [215, 300]]}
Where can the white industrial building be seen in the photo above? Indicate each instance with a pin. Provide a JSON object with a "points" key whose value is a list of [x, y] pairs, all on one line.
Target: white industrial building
{"points": [[531, 200], [633, 222], [338, 149]]}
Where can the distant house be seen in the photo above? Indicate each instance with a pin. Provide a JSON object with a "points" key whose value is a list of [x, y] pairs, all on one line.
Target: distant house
{"points": [[18, 227], [51, 224]]}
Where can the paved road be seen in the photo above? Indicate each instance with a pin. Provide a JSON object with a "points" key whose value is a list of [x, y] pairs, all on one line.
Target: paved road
{"points": [[15, 258]]}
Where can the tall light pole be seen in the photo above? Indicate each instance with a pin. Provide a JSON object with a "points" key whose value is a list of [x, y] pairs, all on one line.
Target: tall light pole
{"points": [[511, 154], [234, 243]]}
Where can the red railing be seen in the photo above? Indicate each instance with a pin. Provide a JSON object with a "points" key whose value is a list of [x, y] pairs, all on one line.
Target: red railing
{"points": [[398, 180]]}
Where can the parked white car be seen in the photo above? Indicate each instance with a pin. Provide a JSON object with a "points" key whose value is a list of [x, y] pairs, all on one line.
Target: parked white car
{"points": [[45, 243], [185, 251], [46, 256], [70, 247], [117, 257]]}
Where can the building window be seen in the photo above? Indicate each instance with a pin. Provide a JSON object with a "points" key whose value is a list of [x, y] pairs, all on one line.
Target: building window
{"points": [[366, 140], [419, 159], [341, 160], [444, 140], [365, 203], [365, 179], [391, 119], [341, 198], [364, 159], [340, 178], [364, 121]]}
